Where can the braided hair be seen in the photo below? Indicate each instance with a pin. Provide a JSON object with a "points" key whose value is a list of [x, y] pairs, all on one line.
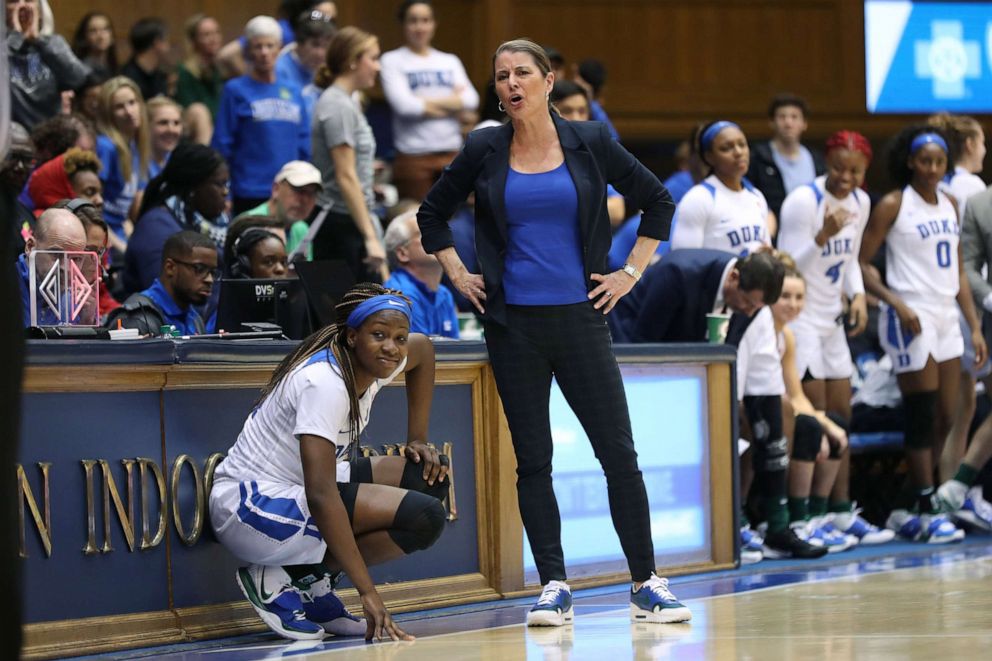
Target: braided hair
{"points": [[851, 140], [189, 166], [332, 337]]}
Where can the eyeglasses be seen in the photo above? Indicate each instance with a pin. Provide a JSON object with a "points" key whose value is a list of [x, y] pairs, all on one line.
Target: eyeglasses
{"points": [[200, 269]]}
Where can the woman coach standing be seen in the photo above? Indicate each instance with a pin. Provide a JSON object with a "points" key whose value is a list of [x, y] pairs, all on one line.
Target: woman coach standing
{"points": [[542, 234]]}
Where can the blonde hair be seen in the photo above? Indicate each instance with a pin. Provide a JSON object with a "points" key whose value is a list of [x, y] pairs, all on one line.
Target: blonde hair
{"points": [[105, 124], [79, 160], [957, 128], [158, 102], [791, 268], [346, 47]]}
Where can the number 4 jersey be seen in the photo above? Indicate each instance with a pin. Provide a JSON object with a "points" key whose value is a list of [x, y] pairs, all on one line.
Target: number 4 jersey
{"points": [[922, 251], [831, 270]]}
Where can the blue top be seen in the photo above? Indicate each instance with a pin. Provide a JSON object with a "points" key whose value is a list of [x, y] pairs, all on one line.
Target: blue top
{"points": [[260, 127], [597, 113], [143, 259], [185, 321], [796, 172], [679, 184], [543, 264], [118, 195], [433, 312], [291, 70]]}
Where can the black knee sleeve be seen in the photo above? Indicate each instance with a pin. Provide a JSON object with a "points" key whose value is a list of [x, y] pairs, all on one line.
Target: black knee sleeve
{"points": [[806, 438], [836, 449], [920, 411], [770, 451], [418, 523], [361, 470], [413, 479]]}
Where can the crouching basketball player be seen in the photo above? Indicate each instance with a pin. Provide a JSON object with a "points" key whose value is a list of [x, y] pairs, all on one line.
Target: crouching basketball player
{"points": [[275, 502]]}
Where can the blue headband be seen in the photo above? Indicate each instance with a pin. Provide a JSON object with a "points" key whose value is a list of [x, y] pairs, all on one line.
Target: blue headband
{"points": [[375, 304], [709, 134], [924, 139]]}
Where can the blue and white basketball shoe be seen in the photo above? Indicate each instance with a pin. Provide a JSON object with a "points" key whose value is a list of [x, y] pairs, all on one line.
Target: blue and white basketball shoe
{"points": [[751, 546], [851, 523], [654, 602], [975, 512], [553, 607], [322, 605], [271, 593]]}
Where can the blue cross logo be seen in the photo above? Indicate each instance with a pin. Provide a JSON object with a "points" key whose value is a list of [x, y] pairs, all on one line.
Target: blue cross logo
{"points": [[948, 59]]}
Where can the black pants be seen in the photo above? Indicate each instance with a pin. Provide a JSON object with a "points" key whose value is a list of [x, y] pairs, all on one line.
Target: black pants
{"points": [[571, 343], [339, 238]]}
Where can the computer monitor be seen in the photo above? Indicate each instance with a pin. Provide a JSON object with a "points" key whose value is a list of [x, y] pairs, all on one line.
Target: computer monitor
{"points": [[325, 282], [281, 302]]}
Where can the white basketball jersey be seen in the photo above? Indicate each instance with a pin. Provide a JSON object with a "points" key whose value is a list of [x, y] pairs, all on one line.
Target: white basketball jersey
{"points": [[713, 216], [961, 185], [825, 269], [922, 250]]}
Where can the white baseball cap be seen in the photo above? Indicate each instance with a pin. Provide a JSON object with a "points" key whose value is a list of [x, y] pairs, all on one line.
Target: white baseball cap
{"points": [[299, 174]]}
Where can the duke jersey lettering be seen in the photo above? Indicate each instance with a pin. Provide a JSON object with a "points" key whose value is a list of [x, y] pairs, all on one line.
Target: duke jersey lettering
{"points": [[714, 216], [921, 251], [832, 270]]}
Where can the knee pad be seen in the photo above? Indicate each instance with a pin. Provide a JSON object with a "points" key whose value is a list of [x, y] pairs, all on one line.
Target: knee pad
{"points": [[806, 439], [764, 412], [413, 480], [836, 450], [418, 523], [920, 411]]}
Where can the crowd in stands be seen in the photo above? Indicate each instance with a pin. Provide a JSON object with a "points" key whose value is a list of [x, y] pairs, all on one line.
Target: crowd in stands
{"points": [[256, 152]]}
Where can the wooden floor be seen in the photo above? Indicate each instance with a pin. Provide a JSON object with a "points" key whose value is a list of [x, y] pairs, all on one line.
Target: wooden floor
{"points": [[932, 613], [937, 609]]}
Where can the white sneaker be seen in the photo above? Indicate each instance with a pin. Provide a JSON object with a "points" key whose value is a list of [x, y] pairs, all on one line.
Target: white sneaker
{"points": [[952, 495], [851, 523], [553, 607], [975, 512], [655, 603], [938, 529]]}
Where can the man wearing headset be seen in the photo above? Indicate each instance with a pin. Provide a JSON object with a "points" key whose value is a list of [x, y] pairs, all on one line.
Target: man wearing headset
{"points": [[189, 268]]}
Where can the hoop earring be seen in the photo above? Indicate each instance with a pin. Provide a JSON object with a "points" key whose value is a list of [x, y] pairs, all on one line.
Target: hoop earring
{"points": [[500, 106]]}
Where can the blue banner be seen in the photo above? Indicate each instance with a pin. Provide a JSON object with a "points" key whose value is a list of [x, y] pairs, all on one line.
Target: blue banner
{"points": [[928, 56]]}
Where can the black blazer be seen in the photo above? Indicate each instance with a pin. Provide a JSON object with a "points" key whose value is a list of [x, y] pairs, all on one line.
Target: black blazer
{"points": [[766, 177], [673, 298], [593, 158]]}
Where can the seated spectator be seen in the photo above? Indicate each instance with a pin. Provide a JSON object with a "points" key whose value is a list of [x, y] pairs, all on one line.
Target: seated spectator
{"points": [[200, 82], [294, 196], [97, 241], [418, 275], [782, 164], [150, 48], [690, 167], [86, 99], [165, 123], [262, 123], [124, 148], [242, 224], [56, 229], [300, 60], [74, 174], [186, 278], [95, 44], [591, 74], [56, 135], [41, 66], [258, 253], [14, 172], [189, 194]]}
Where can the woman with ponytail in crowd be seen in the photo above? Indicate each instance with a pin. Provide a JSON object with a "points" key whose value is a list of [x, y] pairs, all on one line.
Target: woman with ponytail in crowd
{"points": [[821, 227], [344, 151], [124, 148], [189, 194], [272, 504], [918, 324]]}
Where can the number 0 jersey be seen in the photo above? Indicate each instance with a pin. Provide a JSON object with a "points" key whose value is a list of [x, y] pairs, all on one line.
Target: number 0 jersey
{"points": [[831, 270], [921, 251]]}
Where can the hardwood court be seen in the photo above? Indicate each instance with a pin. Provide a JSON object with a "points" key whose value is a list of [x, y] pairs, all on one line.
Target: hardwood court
{"points": [[933, 612]]}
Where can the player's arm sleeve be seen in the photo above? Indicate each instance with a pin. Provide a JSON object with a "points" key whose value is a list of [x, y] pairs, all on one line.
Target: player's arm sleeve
{"points": [[797, 227], [469, 95], [691, 214], [854, 282]]}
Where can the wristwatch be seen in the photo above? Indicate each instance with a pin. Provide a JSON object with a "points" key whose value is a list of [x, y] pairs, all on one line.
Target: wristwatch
{"points": [[632, 271]]}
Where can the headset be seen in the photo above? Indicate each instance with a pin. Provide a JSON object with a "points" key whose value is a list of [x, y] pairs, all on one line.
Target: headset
{"points": [[241, 264]]}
